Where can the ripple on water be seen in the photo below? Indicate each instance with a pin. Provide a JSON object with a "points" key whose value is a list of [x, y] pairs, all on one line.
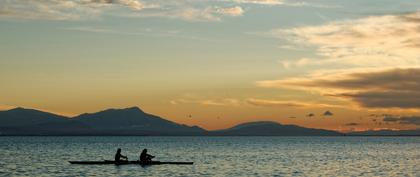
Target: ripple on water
{"points": [[215, 156]]}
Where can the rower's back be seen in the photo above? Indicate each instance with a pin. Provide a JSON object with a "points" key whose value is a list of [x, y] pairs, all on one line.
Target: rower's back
{"points": [[144, 157], [118, 155]]}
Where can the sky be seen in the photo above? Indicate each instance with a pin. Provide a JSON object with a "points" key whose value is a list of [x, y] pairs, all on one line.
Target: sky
{"points": [[332, 64]]}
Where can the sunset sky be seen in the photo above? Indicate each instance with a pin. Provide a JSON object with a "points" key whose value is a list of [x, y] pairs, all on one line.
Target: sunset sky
{"points": [[334, 64]]}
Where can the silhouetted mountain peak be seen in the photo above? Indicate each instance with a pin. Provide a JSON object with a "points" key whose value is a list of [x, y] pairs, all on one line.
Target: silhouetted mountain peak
{"points": [[19, 109], [256, 123], [23, 117], [132, 119], [133, 109]]}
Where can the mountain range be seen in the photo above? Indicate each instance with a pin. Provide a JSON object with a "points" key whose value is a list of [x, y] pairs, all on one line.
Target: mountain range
{"points": [[134, 121], [128, 121]]}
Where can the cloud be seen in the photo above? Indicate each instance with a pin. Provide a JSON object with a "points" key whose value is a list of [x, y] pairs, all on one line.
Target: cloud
{"points": [[293, 64], [389, 88], [189, 10], [283, 103], [62, 9], [262, 2], [223, 102], [387, 99], [275, 103], [87, 9], [411, 120], [194, 14], [191, 13], [351, 124], [200, 10], [232, 11], [134, 4], [208, 102], [375, 41], [328, 113], [372, 61], [310, 115], [390, 119], [250, 101], [292, 3]]}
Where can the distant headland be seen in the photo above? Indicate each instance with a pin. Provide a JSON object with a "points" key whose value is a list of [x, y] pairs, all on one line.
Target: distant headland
{"points": [[135, 122]]}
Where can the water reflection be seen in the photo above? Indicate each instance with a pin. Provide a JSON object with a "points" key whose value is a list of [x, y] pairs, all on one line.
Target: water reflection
{"points": [[214, 156]]}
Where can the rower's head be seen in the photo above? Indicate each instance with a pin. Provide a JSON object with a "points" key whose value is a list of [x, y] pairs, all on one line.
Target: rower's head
{"points": [[144, 150], [119, 150]]}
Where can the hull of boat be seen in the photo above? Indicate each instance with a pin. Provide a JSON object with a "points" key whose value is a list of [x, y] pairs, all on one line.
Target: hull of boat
{"points": [[107, 162]]}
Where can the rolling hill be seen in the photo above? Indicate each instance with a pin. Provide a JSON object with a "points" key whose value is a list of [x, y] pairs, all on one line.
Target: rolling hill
{"points": [[266, 128]]}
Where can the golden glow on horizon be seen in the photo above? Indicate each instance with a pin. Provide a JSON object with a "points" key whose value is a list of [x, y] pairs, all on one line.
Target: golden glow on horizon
{"points": [[216, 60]]}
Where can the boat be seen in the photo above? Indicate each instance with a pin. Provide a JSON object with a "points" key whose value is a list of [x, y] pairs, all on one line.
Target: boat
{"points": [[107, 162]]}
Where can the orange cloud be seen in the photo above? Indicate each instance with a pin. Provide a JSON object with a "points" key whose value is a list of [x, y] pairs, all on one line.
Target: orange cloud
{"points": [[278, 103], [390, 88], [209, 102], [275, 103]]}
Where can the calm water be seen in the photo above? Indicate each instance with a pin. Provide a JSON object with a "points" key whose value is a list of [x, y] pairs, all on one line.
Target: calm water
{"points": [[215, 156]]}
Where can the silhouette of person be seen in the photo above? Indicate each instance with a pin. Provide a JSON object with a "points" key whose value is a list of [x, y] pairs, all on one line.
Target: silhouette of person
{"points": [[119, 157], [144, 157]]}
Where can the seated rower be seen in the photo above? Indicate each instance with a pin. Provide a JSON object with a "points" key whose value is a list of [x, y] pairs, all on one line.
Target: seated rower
{"points": [[144, 157], [119, 157]]}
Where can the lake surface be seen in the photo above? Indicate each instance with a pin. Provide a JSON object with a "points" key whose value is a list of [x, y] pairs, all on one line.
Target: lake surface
{"points": [[214, 156]]}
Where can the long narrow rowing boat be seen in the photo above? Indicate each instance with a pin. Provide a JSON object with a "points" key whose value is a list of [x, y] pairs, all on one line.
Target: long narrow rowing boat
{"points": [[107, 162]]}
